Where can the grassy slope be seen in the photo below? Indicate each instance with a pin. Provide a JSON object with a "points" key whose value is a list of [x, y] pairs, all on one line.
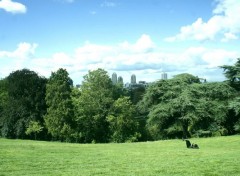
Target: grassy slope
{"points": [[216, 156]]}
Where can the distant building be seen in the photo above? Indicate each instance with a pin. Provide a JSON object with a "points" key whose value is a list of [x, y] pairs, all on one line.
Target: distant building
{"points": [[164, 76], [133, 79], [202, 80], [78, 86], [132, 85], [120, 80], [114, 78], [143, 84], [140, 84]]}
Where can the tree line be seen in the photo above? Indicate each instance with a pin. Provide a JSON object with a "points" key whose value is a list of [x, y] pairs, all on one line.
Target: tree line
{"points": [[34, 107]]}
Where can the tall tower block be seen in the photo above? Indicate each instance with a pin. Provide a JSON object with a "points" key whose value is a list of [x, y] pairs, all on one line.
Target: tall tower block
{"points": [[114, 78], [164, 76], [120, 80], [133, 79]]}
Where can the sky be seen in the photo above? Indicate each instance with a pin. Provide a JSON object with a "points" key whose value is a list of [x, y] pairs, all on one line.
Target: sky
{"points": [[141, 37]]}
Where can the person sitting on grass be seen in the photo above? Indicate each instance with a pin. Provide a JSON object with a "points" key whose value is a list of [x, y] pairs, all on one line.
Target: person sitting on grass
{"points": [[189, 145]]}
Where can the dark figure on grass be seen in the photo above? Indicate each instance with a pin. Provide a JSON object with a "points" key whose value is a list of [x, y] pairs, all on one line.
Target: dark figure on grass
{"points": [[189, 145]]}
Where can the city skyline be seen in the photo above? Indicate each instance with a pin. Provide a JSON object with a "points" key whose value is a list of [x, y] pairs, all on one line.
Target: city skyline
{"points": [[144, 38], [133, 79]]}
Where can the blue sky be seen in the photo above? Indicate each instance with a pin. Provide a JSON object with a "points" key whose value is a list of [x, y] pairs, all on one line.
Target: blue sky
{"points": [[141, 37]]}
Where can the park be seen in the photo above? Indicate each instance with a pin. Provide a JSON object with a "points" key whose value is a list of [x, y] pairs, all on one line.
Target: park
{"points": [[216, 156]]}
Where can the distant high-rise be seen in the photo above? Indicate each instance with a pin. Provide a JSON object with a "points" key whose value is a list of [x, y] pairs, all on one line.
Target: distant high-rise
{"points": [[164, 75], [133, 79], [120, 80], [114, 78]]}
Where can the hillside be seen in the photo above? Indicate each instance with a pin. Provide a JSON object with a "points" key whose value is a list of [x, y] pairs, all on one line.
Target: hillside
{"points": [[216, 156]]}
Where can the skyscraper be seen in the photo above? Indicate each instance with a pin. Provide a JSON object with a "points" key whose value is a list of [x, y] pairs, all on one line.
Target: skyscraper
{"points": [[120, 80], [133, 79], [114, 78], [164, 75]]}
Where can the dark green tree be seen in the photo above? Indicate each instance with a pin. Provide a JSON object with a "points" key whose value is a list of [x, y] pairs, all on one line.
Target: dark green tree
{"points": [[232, 73], [3, 102], [24, 102], [182, 106], [234, 116], [212, 109], [60, 114], [136, 94], [119, 91], [169, 107]]}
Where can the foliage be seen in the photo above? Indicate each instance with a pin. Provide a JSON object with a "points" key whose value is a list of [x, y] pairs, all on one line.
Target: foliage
{"points": [[187, 78], [59, 117], [182, 106], [123, 125], [100, 111], [34, 127], [234, 119], [3, 101], [119, 91], [136, 94], [168, 107], [23, 101], [232, 73], [93, 106]]}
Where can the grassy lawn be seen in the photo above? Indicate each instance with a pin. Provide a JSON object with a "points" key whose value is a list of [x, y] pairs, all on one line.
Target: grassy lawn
{"points": [[216, 156]]}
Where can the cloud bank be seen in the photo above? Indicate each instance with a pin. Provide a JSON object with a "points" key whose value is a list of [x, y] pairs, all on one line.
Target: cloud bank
{"points": [[12, 7], [143, 58], [223, 25]]}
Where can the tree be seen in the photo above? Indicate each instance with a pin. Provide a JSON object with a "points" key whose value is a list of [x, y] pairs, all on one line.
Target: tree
{"points": [[172, 115], [232, 123], [93, 106], [136, 94], [212, 109], [232, 73], [119, 91], [24, 102], [168, 107], [59, 117], [122, 121], [182, 106], [187, 78], [34, 127], [3, 101]]}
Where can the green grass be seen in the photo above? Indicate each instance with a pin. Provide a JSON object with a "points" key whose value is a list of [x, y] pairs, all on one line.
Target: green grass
{"points": [[216, 156]]}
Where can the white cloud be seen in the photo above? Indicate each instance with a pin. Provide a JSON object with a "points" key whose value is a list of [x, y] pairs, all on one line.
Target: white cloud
{"points": [[229, 36], [142, 58], [91, 53], [23, 51], [225, 23], [143, 44], [12, 7], [17, 59], [108, 4]]}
